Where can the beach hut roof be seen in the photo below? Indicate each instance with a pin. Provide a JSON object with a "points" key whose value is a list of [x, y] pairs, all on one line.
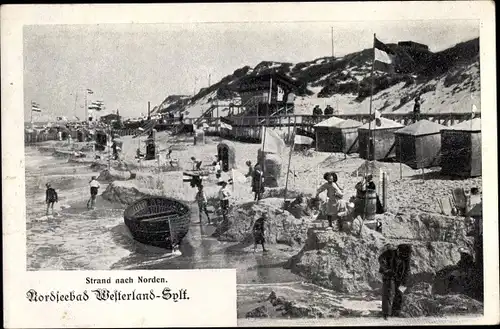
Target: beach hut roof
{"points": [[385, 124], [348, 123], [330, 122], [469, 125], [422, 127]]}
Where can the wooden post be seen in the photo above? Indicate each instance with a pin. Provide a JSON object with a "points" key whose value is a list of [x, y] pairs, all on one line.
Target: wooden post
{"points": [[384, 190], [288, 125], [288, 169], [400, 164]]}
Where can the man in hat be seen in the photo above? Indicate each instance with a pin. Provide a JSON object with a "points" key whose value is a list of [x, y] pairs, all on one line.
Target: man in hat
{"points": [[258, 232], [317, 111], [329, 110], [50, 198], [395, 269]]}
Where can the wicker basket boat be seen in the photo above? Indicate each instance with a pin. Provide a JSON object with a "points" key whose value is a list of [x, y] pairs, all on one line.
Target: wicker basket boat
{"points": [[158, 221]]}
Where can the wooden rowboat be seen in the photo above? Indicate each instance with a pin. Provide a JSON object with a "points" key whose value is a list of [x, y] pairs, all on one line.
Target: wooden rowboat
{"points": [[158, 221]]}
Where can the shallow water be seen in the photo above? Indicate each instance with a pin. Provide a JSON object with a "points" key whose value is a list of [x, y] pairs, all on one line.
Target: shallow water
{"points": [[80, 239]]}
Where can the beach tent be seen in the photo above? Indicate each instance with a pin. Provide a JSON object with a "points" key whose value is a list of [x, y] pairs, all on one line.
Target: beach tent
{"points": [[419, 145], [227, 154], [461, 149], [343, 136], [383, 144], [324, 137]]}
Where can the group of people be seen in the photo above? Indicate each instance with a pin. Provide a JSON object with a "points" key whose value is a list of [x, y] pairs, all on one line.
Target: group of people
{"points": [[337, 210], [51, 196], [318, 112], [224, 193]]}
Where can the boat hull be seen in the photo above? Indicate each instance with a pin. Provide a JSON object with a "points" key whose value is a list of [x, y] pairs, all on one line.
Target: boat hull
{"points": [[158, 221]]}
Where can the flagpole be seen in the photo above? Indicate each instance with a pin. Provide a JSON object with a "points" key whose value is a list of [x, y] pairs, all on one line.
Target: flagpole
{"points": [[76, 98], [289, 162], [370, 134], [86, 110], [31, 117]]}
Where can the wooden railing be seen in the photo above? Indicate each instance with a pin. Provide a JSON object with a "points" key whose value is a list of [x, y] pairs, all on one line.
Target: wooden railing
{"points": [[303, 121], [308, 121]]}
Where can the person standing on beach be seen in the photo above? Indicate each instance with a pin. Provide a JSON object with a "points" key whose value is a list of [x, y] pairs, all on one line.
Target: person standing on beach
{"points": [[416, 109], [50, 198], [395, 270], [94, 189], [257, 183], [334, 194], [218, 169], [196, 164], [201, 199], [361, 187], [224, 195], [258, 232]]}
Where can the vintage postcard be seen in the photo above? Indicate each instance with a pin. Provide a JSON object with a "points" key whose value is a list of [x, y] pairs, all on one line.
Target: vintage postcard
{"points": [[249, 164]]}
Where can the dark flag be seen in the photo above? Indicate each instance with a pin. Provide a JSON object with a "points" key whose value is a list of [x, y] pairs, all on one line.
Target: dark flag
{"points": [[385, 57]]}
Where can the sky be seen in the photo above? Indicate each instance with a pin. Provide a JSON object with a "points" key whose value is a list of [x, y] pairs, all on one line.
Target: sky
{"points": [[127, 65]]}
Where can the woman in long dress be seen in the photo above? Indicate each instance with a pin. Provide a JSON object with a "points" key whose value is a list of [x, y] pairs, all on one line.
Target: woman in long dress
{"points": [[334, 194]]}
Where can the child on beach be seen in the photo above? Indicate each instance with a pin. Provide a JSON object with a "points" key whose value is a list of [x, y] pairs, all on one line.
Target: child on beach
{"points": [[334, 194], [94, 189], [224, 195], [201, 199], [258, 232], [50, 198]]}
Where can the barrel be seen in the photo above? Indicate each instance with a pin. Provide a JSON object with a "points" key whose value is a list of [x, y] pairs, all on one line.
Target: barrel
{"points": [[371, 204]]}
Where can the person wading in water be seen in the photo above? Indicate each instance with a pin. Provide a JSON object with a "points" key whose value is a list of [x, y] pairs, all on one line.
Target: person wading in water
{"points": [[258, 232], [50, 198], [94, 189], [334, 194], [395, 270]]}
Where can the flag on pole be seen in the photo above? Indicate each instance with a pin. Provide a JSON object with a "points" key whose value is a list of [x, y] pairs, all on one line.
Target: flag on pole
{"points": [[272, 142], [384, 56], [98, 106], [303, 137], [35, 107], [89, 91], [226, 123], [281, 94]]}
